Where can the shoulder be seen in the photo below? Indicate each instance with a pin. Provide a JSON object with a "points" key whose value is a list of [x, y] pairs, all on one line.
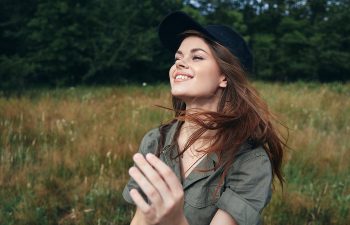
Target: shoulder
{"points": [[152, 134], [251, 174], [158, 136], [247, 153], [165, 129], [251, 165], [150, 141]]}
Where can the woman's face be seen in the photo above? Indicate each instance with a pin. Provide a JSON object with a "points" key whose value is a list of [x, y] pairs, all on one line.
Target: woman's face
{"points": [[195, 75]]}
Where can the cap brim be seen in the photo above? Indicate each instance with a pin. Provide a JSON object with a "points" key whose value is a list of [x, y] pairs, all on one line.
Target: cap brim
{"points": [[175, 24]]}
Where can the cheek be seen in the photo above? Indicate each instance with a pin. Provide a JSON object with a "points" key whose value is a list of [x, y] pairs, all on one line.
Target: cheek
{"points": [[171, 71], [216, 73]]}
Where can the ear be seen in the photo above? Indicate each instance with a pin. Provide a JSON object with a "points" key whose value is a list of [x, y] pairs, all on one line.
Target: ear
{"points": [[223, 81]]}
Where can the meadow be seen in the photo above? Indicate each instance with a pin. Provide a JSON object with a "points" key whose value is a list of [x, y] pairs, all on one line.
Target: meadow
{"points": [[64, 153]]}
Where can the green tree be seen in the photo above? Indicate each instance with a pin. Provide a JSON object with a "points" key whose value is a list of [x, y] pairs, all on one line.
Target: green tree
{"points": [[333, 44], [265, 56], [15, 68], [70, 42]]}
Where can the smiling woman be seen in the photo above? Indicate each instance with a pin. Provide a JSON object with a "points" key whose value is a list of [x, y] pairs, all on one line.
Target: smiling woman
{"points": [[214, 163], [196, 67]]}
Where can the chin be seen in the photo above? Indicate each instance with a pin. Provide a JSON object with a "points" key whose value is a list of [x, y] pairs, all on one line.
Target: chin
{"points": [[179, 94], [184, 98]]}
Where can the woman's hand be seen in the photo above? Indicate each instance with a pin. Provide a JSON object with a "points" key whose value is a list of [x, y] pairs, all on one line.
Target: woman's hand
{"points": [[163, 189]]}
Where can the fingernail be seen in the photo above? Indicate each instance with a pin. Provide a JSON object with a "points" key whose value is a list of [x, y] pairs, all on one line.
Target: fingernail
{"points": [[132, 170], [137, 156], [133, 191], [150, 155]]}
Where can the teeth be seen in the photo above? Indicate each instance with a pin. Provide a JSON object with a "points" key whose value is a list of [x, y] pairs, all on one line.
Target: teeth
{"points": [[182, 77]]}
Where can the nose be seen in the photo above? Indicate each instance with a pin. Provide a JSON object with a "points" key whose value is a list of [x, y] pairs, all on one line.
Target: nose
{"points": [[181, 63]]}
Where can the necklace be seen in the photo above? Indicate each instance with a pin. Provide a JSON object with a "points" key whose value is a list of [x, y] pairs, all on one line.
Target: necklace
{"points": [[191, 153], [193, 164]]}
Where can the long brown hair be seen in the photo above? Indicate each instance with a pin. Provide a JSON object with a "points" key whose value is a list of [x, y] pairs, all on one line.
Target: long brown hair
{"points": [[242, 116]]}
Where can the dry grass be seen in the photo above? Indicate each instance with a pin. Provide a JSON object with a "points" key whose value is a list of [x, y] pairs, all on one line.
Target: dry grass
{"points": [[64, 154]]}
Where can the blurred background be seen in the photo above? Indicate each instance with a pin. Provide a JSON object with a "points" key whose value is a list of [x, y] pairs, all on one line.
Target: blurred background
{"points": [[79, 81], [72, 42]]}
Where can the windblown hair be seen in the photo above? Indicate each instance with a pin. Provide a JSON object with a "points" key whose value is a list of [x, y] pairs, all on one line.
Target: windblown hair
{"points": [[242, 116]]}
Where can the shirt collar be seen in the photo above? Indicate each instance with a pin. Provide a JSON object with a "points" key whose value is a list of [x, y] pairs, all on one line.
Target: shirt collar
{"points": [[207, 164], [169, 139]]}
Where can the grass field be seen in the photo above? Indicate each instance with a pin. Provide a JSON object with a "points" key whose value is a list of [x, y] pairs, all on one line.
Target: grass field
{"points": [[64, 154]]}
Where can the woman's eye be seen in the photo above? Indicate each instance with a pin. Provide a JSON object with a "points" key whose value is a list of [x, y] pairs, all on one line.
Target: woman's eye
{"points": [[197, 58]]}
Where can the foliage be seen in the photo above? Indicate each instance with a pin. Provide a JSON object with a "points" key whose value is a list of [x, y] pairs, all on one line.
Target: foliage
{"points": [[67, 43]]}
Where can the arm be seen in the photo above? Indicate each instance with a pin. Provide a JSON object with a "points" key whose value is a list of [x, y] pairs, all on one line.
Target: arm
{"points": [[222, 217], [139, 219], [247, 188]]}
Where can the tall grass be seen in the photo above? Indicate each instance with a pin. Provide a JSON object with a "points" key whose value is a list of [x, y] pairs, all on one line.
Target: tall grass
{"points": [[64, 153]]}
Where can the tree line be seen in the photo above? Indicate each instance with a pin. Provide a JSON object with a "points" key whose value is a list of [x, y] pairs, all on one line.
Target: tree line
{"points": [[74, 42]]}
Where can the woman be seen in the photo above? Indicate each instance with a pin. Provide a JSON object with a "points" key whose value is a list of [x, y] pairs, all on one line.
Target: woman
{"points": [[215, 162]]}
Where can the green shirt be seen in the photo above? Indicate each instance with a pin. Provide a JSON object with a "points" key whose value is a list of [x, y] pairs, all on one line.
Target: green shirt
{"points": [[245, 192]]}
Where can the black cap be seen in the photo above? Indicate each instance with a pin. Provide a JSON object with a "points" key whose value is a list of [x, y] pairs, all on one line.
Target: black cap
{"points": [[178, 22]]}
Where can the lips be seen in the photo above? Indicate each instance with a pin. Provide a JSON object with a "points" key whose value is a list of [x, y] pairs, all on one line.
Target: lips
{"points": [[182, 76]]}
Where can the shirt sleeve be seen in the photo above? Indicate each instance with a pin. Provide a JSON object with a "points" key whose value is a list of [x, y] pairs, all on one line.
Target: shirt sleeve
{"points": [[247, 188], [149, 144]]}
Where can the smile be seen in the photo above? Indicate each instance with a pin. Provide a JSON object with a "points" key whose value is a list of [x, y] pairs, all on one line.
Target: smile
{"points": [[183, 77]]}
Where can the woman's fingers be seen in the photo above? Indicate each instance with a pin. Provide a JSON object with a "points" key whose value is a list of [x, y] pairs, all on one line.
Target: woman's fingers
{"points": [[139, 201], [166, 173], [152, 175], [162, 188], [152, 193]]}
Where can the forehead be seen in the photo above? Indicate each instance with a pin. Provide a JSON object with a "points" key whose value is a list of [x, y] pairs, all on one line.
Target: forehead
{"points": [[192, 42]]}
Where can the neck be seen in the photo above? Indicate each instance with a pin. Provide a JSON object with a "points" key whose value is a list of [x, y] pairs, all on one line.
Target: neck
{"points": [[188, 128], [202, 104]]}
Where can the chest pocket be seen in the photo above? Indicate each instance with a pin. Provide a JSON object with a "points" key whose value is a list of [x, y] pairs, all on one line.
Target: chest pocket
{"points": [[202, 195]]}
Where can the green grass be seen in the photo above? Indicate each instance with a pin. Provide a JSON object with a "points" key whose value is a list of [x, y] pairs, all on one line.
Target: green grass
{"points": [[64, 153]]}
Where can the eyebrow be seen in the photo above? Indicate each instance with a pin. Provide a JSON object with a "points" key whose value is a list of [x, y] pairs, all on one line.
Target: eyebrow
{"points": [[192, 50]]}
